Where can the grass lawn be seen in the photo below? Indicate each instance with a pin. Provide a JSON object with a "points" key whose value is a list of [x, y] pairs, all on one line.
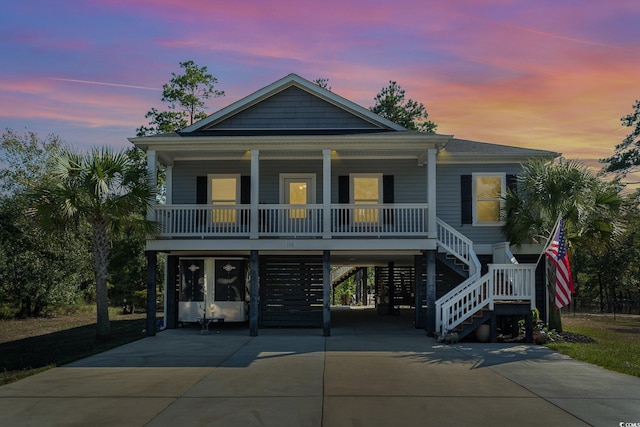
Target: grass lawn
{"points": [[28, 346], [616, 346]]}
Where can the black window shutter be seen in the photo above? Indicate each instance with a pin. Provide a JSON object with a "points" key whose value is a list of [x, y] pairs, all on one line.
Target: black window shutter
{"points": [[201, 190], [343, 189], [466, 199], [387, 198], [387, 189], [245, 190], [245, 197], [512, 185], [512, 182], [343, 197]]}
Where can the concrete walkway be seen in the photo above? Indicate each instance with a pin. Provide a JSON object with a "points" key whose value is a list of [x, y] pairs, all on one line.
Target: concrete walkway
{"points": [[357, 377]]}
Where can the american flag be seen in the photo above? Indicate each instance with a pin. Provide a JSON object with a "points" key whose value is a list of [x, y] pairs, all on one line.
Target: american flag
{"points": [[557, 253]]}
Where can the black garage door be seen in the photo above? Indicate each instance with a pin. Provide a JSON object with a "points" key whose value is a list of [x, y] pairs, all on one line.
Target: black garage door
{"points": [[291, 291]]}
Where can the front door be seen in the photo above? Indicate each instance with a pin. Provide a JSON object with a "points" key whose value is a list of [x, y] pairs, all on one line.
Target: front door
{"points": [[298, 190]]}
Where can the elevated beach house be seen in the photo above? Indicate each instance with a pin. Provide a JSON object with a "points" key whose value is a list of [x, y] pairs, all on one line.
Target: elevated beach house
{"points": [[276, 198]]}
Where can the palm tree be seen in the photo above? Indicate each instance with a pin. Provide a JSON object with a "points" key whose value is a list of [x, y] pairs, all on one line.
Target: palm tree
{"points": [[589, 208], [104, 188]]}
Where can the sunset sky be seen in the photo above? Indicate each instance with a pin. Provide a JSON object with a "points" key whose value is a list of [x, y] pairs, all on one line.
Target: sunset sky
{"points": [[548, 74]]}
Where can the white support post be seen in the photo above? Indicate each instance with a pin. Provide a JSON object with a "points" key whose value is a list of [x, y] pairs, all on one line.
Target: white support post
{"points": [[431, 193], [168, 191], [152, 179], [326, 193], [255, 194]]}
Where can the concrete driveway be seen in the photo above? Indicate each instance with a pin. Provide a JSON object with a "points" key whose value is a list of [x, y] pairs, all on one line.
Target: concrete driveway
{"points": [[360, 376]]}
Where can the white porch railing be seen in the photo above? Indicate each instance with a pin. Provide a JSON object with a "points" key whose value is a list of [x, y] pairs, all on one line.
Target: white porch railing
{"points": [[379, 220], [202, 220], [290, 220], [503, 282], [274, 220]]}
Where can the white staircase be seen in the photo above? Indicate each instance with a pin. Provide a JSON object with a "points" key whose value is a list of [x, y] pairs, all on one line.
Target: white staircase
{"points": [[341, 272], [503, 282]]}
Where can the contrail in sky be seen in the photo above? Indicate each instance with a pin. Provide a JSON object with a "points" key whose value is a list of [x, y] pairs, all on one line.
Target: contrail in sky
{"points": [[561, 37], [103, 83], [547, 34]]}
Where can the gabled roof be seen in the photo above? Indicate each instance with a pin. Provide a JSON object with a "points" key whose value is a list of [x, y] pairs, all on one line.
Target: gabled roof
{"points": [[363, 120], [295, 117]]}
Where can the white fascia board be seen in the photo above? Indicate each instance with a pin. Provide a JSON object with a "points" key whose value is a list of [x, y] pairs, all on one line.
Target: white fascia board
{"points": [[408, 144], [290, 245], [386, 140]]}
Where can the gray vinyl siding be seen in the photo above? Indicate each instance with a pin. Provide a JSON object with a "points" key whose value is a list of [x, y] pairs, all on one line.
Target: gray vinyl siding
{"points": [[448, 199], [186, 172], [270, 171], [410, 180], [410, 183], [294, 108]]}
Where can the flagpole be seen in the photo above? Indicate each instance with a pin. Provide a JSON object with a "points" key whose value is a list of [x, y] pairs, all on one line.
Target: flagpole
{"points": [[553, 233]]}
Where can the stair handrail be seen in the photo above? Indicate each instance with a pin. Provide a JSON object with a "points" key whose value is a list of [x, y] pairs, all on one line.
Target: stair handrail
{"points": [[502, 282], [458, 245], [467, 302], [454, 293], [502, 253], [338, 273]]}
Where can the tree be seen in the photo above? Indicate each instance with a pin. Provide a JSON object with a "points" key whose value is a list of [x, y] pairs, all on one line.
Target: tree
{"points": [[589, 208], [108, 191], [323, 83], [186, 94], [128, 269], [391, 104], [38, 271], [609, 271], [626, 157], [25, 160]]}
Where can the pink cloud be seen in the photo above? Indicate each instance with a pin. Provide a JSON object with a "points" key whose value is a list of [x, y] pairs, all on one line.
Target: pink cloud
{"points": [[537, 74], [55, 100]]}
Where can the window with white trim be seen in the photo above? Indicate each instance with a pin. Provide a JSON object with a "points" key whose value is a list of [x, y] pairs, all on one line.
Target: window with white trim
{"points": [[298, 189], [224, 190], [366, 189], [488, 198]]}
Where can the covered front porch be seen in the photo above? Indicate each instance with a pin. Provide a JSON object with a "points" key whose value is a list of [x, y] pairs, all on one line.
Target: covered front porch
{"points": [[295, 221]]}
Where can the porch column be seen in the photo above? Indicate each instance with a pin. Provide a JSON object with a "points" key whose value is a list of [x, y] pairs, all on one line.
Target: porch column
{"points": [[391, 286], [152, 264], [326, 193], [326, 287], [152, 180], [365, 287], [170, 292], [169, 184], [431, 193], [431, 292], [255, 193], [254, 299], [420, 286]]}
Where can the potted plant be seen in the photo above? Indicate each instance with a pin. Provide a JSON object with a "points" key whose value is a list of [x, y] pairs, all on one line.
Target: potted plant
{"points": [[539, 335], [483, 332]]}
